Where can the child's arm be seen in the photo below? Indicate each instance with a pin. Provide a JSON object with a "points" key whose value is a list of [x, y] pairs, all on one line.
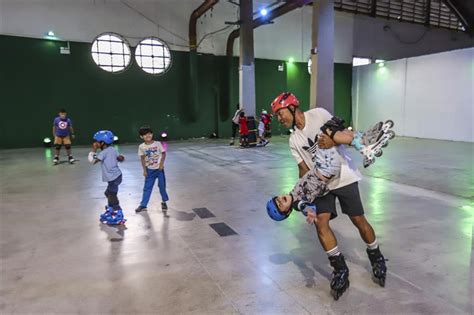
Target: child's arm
{"points": [[93, 155], [54, 130], [71, 130], [162, 162], [142, 160]]}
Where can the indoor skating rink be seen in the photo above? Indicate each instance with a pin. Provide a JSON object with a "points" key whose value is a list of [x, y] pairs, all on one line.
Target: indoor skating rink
{"points": [[57, 257]]}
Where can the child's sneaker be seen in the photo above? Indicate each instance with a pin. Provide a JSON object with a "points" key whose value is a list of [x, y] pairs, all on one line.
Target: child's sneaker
{"points": [[140, 209], [164, 206], [56, 160], [71, 159]]}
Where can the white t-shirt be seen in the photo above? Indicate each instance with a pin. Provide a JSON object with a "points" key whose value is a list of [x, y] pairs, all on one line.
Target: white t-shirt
{"points": [[153, 153], [301, 140]]}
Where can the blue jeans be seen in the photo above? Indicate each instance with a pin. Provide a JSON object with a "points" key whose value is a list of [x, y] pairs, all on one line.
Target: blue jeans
{"points": [[152, 175]]}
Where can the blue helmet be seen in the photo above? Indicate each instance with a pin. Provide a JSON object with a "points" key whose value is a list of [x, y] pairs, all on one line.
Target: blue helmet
{"points": [[273, 211], [105, 136]]}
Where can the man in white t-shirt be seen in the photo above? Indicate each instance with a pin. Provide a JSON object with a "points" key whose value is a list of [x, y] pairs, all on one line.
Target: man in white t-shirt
{"points": [[304, 140]]}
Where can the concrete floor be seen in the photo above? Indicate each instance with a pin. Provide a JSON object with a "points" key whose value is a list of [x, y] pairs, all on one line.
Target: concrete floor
{"points": [[57, 258]]}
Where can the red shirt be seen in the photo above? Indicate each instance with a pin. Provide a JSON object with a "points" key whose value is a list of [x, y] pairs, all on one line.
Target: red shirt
{"points": [[244, 130]]}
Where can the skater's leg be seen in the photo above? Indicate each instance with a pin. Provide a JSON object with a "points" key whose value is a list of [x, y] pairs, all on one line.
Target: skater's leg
{"points": [[148, 187], [58, 142], [351, 204], [68, 149], [377, 260], [365, 229], [111, 193], [325, 234], [162, 185], [67, 145], [326, 210], [235, 128]]}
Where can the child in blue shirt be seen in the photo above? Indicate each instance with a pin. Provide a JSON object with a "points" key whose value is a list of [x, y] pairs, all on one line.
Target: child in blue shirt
{"points": [[108, 158]]}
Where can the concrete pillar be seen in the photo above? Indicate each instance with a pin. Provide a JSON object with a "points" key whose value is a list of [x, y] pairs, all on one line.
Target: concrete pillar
{"points": [[322, 77], [314, 56], [247, 59]]}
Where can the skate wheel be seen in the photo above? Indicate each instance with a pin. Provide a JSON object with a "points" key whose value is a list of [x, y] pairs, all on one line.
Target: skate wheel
{"points": [[382, 282], [385, 145], [378, 153], [391, 134], [390, 123]]}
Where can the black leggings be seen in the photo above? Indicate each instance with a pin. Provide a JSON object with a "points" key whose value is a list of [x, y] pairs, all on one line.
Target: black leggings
{"points": [[235, 128]]}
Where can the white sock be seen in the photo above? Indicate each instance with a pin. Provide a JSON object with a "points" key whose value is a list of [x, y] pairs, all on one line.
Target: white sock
{"points": [[333, 252], [373, 245]]}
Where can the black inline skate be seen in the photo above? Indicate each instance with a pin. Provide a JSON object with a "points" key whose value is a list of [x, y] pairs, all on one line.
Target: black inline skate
{"points": [[379, 268], [340, 276]]}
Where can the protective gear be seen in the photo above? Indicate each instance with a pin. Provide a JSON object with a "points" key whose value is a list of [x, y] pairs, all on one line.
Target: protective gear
{"points": [[303, 206], [283, 101], [58, 146], [334, 124], [92, 157], [105, 136], [67, 146], [273, 211]]}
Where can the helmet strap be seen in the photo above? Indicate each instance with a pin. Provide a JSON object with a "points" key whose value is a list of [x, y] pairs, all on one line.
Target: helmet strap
{"points": [[293, 112]]}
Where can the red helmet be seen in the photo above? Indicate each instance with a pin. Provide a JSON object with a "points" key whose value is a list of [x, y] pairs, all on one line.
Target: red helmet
{"points": [[283, 101]]}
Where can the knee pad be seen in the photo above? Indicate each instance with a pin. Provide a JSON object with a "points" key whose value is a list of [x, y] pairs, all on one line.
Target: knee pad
{"points": [[334, 124], [67, 146], [58, 146]]}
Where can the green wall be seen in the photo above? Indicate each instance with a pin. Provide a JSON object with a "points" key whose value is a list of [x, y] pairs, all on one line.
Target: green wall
{"points": [[36, 80]]}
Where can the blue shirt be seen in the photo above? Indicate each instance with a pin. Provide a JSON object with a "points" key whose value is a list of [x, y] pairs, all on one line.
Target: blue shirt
{"points": [[62, 126], [109, 164]]}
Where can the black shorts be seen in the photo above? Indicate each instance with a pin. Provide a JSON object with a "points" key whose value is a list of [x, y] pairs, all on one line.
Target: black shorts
{"points": [[349, 199]]}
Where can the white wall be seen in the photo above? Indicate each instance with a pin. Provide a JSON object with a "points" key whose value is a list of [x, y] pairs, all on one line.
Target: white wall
{"points": [[290, 35], [428, 97]]}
